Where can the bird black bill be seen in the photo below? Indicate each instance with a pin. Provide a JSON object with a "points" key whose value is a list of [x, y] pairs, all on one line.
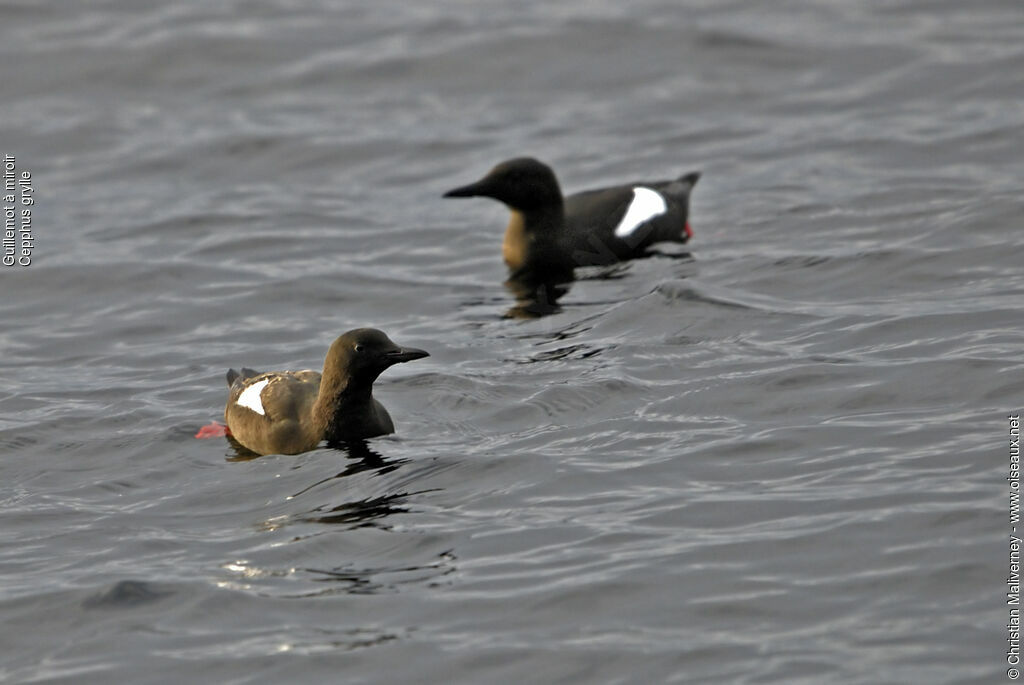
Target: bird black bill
{"points": [[407, 354], [472, 190]]}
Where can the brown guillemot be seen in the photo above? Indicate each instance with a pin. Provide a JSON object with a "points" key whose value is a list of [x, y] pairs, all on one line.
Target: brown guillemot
{"points": [[288, 412]]}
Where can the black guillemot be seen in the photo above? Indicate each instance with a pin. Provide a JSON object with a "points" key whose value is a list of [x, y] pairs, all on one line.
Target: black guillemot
{"points": [[288, 412], [549, 235]]}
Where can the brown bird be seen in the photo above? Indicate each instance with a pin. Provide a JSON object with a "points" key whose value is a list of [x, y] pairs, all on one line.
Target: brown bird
{"points": [[288, 412]]}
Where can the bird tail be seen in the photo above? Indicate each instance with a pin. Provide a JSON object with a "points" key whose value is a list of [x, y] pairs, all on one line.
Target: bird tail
{"points": [[689, 179], [233, 375], [681, 187]]}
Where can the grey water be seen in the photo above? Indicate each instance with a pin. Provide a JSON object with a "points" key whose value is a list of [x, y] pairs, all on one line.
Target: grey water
{"points": [[783, 459]]}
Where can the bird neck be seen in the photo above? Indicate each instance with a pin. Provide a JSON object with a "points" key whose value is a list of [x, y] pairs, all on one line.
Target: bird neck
{"points": [[545, 220], [546, 243], [339, 397]]}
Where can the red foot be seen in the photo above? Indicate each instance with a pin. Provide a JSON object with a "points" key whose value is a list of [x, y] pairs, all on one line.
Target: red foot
{"points": [[689, 231], [213, 430]]}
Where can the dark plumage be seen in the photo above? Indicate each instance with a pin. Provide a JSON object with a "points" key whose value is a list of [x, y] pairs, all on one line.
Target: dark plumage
{"points": [[288, 412], [548, 235]]}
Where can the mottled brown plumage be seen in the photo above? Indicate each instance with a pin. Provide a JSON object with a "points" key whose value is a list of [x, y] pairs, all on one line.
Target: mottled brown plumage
{"points": [[288, 412]]}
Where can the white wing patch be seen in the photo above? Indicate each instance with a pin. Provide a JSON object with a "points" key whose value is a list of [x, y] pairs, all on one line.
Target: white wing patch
{"points": [[250, 397], [646, 205]]}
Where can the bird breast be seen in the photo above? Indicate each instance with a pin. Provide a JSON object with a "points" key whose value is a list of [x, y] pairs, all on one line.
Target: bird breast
{"points": [[516, 244]]}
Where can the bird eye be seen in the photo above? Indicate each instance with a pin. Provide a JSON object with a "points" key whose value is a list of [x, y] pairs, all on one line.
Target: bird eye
{"points": [[359, 348]]}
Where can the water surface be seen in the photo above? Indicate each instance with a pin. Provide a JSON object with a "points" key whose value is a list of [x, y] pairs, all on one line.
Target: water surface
{"points": [[782, 460]]}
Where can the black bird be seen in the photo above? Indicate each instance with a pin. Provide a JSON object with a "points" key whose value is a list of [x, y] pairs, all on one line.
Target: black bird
{"points": [[548, 235], [288, 412]]}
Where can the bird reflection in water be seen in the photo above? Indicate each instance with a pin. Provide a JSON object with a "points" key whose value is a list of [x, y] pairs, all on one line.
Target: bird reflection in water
{"points": [[537, 297], [361, 458], [365, 512], [352, 574], [534, 299]]}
